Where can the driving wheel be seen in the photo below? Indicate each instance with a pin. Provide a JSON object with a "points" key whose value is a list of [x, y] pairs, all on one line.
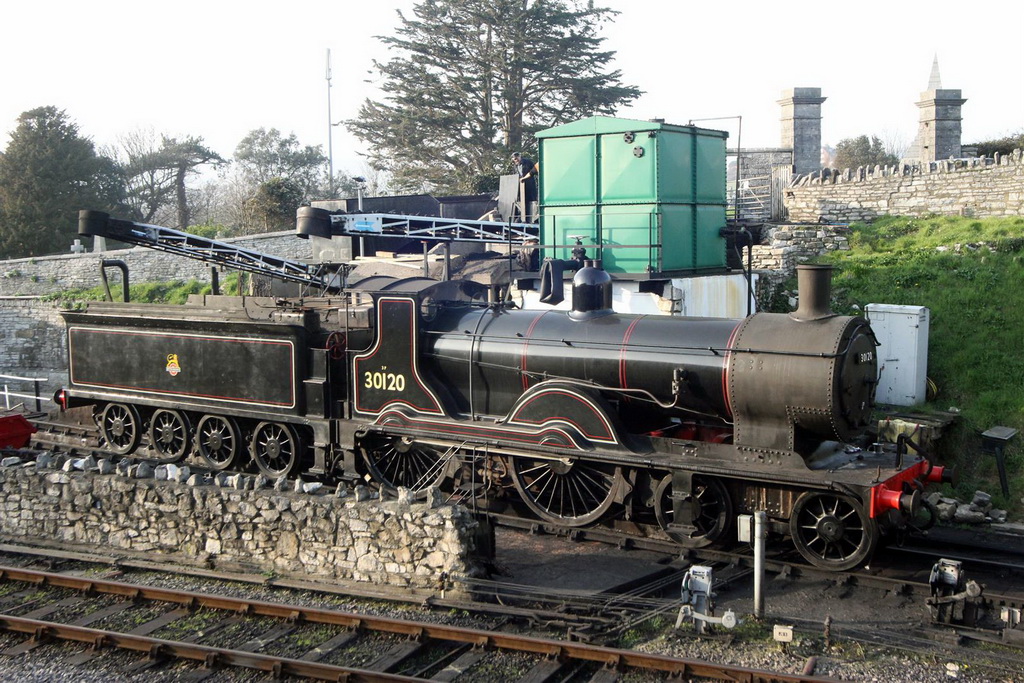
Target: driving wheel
{"points": [[566, 491], [406, 463]]}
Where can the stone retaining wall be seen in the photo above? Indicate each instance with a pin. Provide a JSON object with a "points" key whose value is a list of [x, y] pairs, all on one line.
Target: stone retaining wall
{"points": [[33, 344], [226, 523], [963, 187], [783, 247]]}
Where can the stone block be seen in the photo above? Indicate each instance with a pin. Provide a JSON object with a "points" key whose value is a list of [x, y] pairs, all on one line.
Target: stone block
{"points": [[965, 514], [946, 510]]}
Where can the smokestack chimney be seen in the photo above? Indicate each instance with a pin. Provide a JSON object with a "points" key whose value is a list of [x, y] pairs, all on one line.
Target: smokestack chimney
{"points": [[814, 287]]}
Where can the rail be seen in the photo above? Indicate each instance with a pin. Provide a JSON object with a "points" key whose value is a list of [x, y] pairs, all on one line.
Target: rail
{"points": [[35, 397], [470, 645]]}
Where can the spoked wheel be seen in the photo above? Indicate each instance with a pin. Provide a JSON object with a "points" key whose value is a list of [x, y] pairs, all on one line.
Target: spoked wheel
{"points": [[170, 434], [569, 492], [712, 510], [832, 530], [120, 427], [404, 462], [217, 441], [275, 448]]}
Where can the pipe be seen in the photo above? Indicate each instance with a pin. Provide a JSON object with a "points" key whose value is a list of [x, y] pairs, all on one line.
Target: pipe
{"points": [[760, 538], [114, 263]]}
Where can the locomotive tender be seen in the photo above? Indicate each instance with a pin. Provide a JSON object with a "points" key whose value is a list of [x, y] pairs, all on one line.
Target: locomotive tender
{"points": [[671, 425]]}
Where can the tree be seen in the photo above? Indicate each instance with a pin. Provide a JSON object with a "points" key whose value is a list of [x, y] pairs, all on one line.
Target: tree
{"points": [[275, 203], [862, 151], [148, 186], [274, 176], [47, 174], [1003, 146], [474, 79], [182, 157], [263, 155], [155, 174]]}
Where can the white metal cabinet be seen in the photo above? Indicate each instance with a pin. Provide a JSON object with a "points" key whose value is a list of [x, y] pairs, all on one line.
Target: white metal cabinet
{"points": [[902, 332]]}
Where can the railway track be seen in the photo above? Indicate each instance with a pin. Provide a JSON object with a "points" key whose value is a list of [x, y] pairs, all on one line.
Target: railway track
{"points": [[214, 631]]}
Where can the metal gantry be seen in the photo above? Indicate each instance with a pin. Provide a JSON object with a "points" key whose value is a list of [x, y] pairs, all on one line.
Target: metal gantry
{"points": [[99, 224], [323, 223]]}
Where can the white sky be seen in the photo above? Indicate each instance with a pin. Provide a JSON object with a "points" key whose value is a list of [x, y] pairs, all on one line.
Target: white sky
{"points": [[218, 70]]}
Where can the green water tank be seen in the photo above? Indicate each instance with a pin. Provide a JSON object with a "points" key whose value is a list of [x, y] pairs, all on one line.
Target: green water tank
{"points": [[646, 196]]}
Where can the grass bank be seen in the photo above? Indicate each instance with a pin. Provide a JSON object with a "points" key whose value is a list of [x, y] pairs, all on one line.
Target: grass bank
{"points": [[970, 274], [171, 292]]}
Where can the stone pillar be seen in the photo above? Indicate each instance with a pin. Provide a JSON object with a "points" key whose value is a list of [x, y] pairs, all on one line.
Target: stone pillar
{"points": [[939, 129], [801, 127]]}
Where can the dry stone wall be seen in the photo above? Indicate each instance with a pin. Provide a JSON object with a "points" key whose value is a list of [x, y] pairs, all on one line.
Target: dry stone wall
{"points": [[783, 247], [226, 522], [963, 187]]}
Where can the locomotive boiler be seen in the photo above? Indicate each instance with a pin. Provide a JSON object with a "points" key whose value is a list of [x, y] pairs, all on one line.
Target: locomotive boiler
{"points": [[666, 426]]}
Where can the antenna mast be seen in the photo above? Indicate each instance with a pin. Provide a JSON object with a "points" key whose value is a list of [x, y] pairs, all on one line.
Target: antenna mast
{"points": [[330, 130]]}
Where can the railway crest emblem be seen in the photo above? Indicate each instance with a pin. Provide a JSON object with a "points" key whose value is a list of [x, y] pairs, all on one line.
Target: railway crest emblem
{"points": [[173, 368]]}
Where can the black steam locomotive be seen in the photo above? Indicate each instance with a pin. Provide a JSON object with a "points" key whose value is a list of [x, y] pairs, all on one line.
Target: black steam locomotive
{"points": [[673, 425]]}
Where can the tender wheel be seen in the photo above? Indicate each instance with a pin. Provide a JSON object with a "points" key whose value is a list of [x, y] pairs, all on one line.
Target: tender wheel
{"points": [[275, 448], [832, 530], [217, 442], [568, 492], [119, 425], [712, 513], [170, 434], [404, 462]]}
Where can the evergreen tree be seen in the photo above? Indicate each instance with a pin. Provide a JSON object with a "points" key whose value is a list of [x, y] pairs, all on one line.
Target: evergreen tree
{"points": [[275, 204], [863, 151], [471, 82], [49, 172], [182, 157], [155, 175], [1004, 145]]}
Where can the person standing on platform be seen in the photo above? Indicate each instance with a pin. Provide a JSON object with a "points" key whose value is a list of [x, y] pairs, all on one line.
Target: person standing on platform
{"points": [[527, 172]]}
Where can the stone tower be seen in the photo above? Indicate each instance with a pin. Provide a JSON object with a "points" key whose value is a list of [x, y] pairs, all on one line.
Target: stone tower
{"points": [[939, 128], [801, 127]]}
